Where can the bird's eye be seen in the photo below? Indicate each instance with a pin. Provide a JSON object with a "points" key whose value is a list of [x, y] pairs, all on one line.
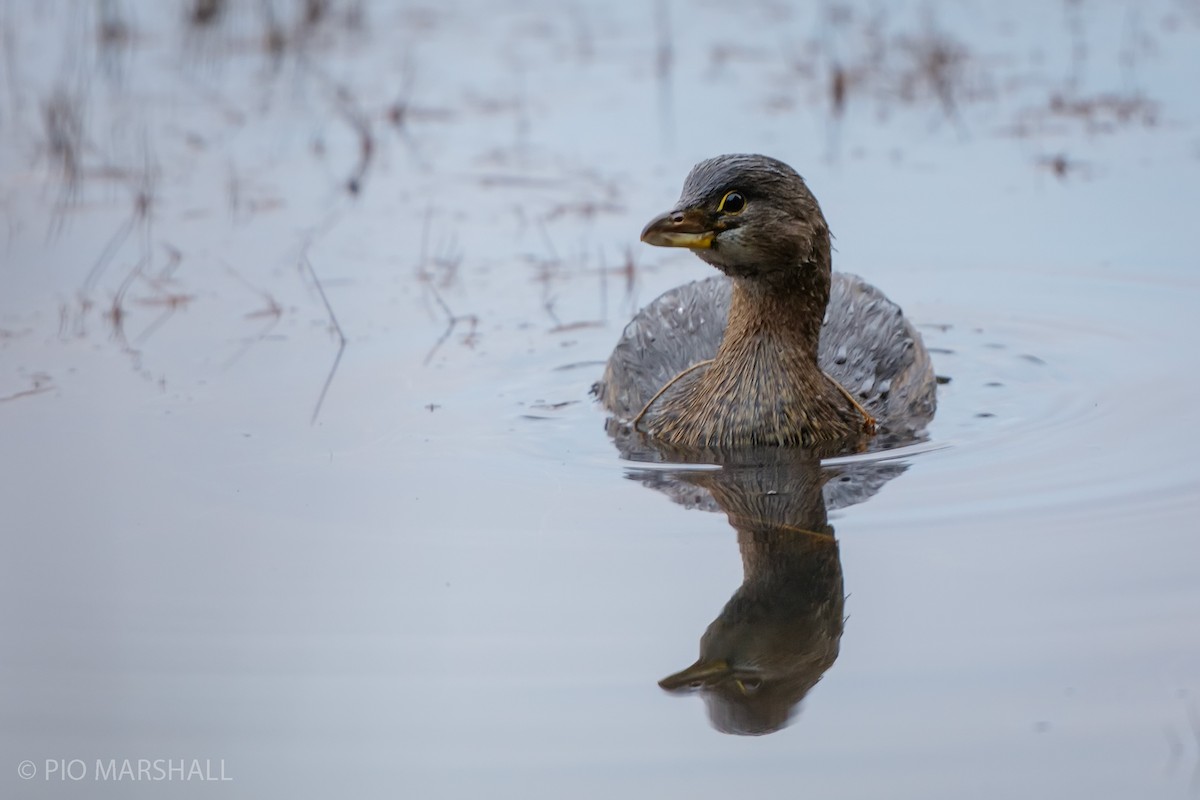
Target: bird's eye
{"points": [[732, 203]]}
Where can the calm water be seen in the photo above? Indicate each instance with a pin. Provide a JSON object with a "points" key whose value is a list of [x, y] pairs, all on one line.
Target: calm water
{"points": [[438, 578]]}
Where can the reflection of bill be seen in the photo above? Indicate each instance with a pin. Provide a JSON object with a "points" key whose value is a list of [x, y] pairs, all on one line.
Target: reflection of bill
{"points": [[782, 628]]}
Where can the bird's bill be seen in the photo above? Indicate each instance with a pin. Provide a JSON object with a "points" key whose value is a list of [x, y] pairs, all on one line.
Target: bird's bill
{"points": [[702, 672], [690, 228]]}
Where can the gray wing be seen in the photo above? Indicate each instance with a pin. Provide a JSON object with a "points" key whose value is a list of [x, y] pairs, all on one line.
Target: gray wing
{"points": [[875, 353], [679, 328]]}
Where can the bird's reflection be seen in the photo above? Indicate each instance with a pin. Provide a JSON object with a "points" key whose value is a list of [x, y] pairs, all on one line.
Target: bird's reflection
{"points": [[781, 630]]}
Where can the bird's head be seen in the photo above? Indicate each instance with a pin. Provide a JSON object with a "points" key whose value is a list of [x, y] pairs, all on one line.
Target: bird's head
{"points": [[747, 215]]}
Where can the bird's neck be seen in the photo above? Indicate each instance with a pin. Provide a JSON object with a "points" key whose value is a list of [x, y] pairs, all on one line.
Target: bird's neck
{"points": [[764, 386], [776, 318]]}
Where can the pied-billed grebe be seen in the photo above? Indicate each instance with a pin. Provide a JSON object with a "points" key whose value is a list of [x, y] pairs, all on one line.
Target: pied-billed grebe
{"points": [[781, 351]]}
